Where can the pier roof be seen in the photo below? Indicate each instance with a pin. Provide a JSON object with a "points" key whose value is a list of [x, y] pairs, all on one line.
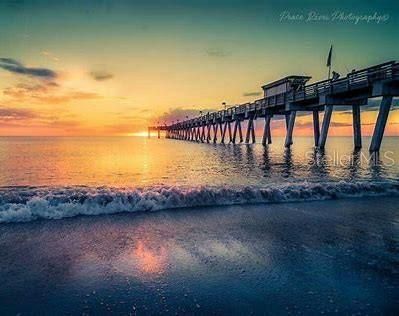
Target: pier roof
{"points": [[302, 79]]}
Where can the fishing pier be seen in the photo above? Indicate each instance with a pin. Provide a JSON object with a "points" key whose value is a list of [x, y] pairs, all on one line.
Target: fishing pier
{"points": [[291, 95]]}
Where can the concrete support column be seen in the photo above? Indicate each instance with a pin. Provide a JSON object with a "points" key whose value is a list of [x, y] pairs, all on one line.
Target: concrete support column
{"points": [[223, 132], [316, 127], [235, 132], [249, 130], [357, 127], [215, 133], [326, 124], [381, 123], [266, 139], [269, 137], [287, 120], [229, 129], [208, 137], [240, 132], [203, 134], [253, 132], [290, 129]]}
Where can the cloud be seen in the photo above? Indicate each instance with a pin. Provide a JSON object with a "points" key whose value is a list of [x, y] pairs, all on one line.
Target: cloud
{"points": [[22, 89], [252, 94], [217, 53], [15, 114], [47, 92], [68, 97], [101, 75], [23, 118], [17, 67]]}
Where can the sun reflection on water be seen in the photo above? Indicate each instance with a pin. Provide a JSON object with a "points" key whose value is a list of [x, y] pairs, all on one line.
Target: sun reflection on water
{"points": [[150, 260]]}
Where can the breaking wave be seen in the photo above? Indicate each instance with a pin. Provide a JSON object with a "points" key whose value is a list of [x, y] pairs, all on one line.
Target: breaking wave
{"points": [[23, 204]]}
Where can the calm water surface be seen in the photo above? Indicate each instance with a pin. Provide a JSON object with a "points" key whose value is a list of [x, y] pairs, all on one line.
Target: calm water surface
{"points": [[141, 162]]}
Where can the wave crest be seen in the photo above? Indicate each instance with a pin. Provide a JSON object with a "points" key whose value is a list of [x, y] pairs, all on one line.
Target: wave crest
{"points": [[23, 204]]}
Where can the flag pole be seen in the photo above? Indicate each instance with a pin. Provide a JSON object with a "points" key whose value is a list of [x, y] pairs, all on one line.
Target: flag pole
{"points": [[329, 62]]}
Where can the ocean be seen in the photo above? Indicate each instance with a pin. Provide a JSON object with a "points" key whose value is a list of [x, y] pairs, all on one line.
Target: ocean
{"points": [[58, 177], [138, 226]]}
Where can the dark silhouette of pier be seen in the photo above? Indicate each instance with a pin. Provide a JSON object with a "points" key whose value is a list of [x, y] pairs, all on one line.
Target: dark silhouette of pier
{"points": [[290, 95]]}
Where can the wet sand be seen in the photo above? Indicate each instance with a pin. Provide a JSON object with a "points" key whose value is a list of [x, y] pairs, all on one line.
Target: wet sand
{"points": [[316, 257]]}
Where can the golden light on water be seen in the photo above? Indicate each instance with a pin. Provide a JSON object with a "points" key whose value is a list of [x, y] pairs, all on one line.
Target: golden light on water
{"points": [[149, 260], [140, 134]]}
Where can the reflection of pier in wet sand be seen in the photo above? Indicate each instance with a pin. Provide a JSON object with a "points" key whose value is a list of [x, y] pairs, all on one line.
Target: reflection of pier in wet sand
{"points": [[290, 95]]}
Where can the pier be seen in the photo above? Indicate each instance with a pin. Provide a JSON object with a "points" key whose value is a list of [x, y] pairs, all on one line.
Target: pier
{"points": [[291, 95]]}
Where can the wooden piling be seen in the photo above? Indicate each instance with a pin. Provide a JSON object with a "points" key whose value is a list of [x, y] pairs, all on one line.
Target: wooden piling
{"points": [[382, 118]]}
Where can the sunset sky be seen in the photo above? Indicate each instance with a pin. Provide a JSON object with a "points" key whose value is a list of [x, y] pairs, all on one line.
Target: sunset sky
{"points": [[113, 67]]}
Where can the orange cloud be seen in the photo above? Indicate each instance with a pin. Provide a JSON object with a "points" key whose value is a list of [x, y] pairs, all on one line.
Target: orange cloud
{"points": [[48, 92]]}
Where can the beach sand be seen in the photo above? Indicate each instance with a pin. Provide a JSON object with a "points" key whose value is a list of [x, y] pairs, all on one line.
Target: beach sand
{"points": [[338, 256]]}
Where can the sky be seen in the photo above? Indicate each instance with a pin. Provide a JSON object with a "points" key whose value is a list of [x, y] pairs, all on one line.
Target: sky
{"points": [[114, 67]]}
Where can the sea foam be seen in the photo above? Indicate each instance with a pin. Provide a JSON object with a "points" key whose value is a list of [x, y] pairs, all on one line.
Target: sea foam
{"points": [[23, 204]]}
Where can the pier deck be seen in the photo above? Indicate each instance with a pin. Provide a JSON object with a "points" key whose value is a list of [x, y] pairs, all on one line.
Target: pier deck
{"points": [[355, 89]]}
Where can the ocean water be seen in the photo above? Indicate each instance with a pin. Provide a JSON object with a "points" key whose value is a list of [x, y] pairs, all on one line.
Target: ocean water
{"points": [[261, 256], [56, 177]]}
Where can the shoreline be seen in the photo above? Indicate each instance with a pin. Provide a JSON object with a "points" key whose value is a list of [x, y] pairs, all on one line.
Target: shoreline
{"points": [[308, 257], [25, 204]]}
